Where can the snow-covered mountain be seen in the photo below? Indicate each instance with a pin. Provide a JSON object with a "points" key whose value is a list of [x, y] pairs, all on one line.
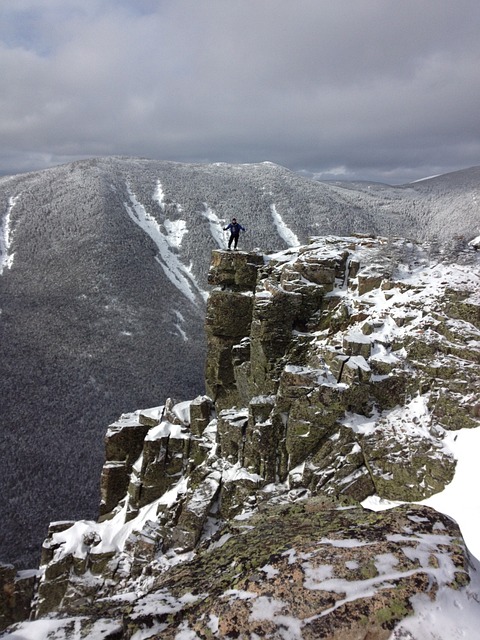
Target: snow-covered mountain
{"points": [[103, 281]]}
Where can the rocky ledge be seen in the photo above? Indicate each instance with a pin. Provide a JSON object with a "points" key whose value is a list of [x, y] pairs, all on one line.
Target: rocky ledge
{"points": [[334, 372]]}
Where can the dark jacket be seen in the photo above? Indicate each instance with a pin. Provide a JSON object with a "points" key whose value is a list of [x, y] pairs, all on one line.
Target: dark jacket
{"points": [[234, 228]]}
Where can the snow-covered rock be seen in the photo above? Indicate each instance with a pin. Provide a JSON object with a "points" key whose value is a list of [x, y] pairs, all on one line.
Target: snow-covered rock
{"points": [[340, 384]]}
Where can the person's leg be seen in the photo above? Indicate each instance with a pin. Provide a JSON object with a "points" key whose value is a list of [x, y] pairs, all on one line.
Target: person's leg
{"points": [[236, 241], [230, 240]]}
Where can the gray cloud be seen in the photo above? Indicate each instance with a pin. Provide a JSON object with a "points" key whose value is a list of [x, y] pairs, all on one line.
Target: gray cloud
{"points": [[369, 89]]}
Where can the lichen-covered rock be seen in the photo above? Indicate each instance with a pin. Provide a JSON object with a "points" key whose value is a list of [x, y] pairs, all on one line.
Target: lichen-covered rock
{"points": [[332, 334], [406, 466], [165, 453], [274, 315], [220, 380], [238, 491], [229, 313], [49, 545], [261, 439], [231, 429], [194, 513], [311, 402], [228, 320], [124, 439], [23, 593], [308, 571], [459, 304], [113, 484], [169, 451], [337, 469], [54, 585]]}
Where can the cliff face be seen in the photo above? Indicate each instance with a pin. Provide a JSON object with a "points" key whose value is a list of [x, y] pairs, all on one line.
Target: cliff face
{"points": [[334, 372], [347, 363]]}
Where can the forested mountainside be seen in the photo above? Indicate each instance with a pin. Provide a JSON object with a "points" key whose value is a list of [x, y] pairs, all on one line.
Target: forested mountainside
{"points": [[103, 285]]}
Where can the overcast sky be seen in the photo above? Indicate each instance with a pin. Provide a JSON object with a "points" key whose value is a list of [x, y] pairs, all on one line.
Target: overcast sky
{"points": [[371, 89]]}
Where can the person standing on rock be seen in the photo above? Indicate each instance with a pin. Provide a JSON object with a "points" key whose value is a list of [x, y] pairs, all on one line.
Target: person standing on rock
{"points": [[235, 228]]}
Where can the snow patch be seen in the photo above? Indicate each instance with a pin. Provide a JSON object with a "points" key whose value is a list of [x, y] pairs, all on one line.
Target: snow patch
{"points": [[161, 603], [112, 533], [267, 608], [6, 258], [179, 323], [166, 430], [270, 571], [176, 272], [347, 543], [451, 614], [62, 628], [216, 225], [436, 175], [460, 499], [159, 195], [283, 231], [475, 243], [237, 472], [176, 229]]}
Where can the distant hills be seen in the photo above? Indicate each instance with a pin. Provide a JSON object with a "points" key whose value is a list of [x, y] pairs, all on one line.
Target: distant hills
{"points": [[103, 284]]}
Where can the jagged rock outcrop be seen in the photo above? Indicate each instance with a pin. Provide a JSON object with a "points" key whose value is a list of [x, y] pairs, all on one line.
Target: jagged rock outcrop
{"points": [[228, 320], [334, 372], [299, 570], [306, 571], [340, 331]]}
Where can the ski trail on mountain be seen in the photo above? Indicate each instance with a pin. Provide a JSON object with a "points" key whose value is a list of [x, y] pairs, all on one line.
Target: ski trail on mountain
{"points": [[179, 323], [175, 271], [159, 195], [216, 225], [283, 231], [175, 229], [6, 258]]}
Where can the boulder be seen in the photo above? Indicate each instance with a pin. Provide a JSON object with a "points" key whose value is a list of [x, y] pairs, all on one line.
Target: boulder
{"points": [[371, 276], [338, 468], [229, 313], [113, 486], [165, 455], [357, 344]]}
